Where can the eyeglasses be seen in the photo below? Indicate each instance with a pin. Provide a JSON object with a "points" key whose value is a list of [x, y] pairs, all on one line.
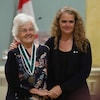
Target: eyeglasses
{"points": [[26, 30]]}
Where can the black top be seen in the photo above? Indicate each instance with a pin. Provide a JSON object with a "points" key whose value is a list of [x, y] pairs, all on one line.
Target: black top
{"points": [[69, 70], [17, 76]]}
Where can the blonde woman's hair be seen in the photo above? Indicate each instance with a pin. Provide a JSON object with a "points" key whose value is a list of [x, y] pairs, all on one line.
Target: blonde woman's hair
{"points": [[79, 31]]}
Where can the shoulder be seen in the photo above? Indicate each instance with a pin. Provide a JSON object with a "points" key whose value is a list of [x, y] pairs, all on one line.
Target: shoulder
{"points": [[43, 48], [50, 42], [11, 57], [87, 44], [42, 51], [13, 52]]}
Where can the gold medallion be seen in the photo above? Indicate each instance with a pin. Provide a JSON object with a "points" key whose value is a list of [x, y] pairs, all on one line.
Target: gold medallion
{"points": [[31, 79]]}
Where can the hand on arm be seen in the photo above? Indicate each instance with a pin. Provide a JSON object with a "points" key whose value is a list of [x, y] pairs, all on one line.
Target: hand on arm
{"points": [[40, 92], [55, 92], [14, 44]]}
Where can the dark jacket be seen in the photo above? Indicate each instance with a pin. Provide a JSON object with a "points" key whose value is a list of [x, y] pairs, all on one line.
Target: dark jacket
{"points": [[69, 70]]}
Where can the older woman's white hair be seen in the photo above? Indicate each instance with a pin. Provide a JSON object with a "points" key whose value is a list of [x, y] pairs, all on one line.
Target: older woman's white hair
{"points": [[20, 20]]}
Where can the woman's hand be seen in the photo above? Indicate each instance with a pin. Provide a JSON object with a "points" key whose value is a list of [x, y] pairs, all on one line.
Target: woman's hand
{"points": [[14, 44], [55, 92], [40, 92]]}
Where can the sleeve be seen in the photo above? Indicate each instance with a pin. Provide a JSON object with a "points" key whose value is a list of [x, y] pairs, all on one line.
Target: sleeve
{"points": [[11, 73], [82, 73], [50, 43]]}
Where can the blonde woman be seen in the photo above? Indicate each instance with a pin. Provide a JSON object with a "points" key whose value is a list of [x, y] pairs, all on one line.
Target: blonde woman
{"points": [[71, 58]]}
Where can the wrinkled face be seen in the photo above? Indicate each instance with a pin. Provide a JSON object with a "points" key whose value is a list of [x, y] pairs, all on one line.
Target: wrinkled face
{"points": [[67, 23], [26, 33]]}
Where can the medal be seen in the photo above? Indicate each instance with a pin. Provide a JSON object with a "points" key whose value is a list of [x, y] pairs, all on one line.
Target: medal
{"points": [[31, 79]]}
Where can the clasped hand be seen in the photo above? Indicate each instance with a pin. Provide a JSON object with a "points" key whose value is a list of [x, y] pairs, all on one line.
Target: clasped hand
{"points": [[54, 93]]}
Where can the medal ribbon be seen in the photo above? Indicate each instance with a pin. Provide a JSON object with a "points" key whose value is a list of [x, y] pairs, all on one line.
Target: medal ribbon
{"points": [[30, 64]]}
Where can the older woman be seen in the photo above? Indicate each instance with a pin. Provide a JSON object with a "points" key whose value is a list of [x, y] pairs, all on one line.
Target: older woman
{"points": [[26, 66]]}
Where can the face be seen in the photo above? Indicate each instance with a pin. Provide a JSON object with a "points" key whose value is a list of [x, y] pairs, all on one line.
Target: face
{"points": [[67, 23], [26, 33]]}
